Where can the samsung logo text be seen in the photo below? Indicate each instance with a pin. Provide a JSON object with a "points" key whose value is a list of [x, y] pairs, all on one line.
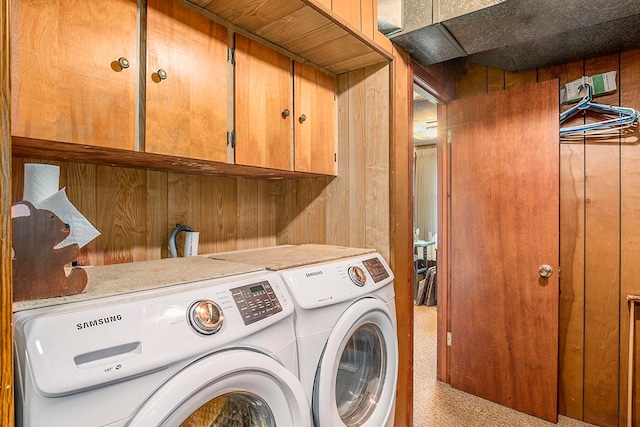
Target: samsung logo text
{"points": [[98, 322]]}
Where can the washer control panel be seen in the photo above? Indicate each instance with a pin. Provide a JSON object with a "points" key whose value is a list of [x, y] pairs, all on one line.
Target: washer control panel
{"points": [[256, 301]]}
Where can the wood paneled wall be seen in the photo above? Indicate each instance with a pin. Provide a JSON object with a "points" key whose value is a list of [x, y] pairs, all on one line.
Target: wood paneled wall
{"points": [[6, 361], [599, 239]]}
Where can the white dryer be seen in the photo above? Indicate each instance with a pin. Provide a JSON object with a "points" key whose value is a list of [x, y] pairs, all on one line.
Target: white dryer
{"points": [[215, 352], [347, 340], [345, 326]]}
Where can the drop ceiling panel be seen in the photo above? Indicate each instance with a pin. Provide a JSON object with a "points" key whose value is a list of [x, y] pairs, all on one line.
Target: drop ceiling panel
{"points": [[595, 40], [524, 21]]}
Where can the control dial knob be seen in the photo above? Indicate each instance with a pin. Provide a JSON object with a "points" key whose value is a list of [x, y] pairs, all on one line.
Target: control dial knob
{"points": [[205, 317], [357, 276]]}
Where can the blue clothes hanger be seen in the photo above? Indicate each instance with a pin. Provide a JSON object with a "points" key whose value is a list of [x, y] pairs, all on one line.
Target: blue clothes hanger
{"points": [[618, 118]]}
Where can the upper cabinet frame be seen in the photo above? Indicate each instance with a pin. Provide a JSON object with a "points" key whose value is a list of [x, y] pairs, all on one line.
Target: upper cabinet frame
{"points": [[306, 29]]}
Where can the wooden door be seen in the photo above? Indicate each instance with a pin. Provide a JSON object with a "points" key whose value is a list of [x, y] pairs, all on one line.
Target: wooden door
{"points": [[263, 106], [186, 112], [504, 226], [315, 120], [67, 83]]}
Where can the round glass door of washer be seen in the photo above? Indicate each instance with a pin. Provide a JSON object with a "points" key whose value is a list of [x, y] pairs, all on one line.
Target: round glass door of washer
{"points": [[232, 409]]}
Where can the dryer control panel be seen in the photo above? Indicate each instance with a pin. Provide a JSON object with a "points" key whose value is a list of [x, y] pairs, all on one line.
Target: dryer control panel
{"points": [[332, 282]]}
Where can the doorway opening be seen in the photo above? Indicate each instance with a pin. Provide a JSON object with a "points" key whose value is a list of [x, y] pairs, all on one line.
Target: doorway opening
{"points": [[425, 230]]}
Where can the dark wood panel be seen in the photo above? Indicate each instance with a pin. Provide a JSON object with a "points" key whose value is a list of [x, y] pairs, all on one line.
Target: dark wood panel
{"points": [[519, 79], [495, 79], [629, 81], [602, 266], [472, 82], [442, 259], [6, 354], [401, 246], [572, 206]]}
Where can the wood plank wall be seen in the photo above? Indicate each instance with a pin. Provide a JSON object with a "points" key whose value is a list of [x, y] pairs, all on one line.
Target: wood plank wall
{"points": [[599, 238], [6, 360]]}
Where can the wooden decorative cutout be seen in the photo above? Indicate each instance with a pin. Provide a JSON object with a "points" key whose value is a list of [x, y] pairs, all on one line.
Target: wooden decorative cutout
{"points": [[38, 268]]}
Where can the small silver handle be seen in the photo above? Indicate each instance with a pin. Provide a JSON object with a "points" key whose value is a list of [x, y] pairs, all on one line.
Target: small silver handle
{"points": [[285, 113], [123, 62], [302, 118], [545, 271], [162, 74]]}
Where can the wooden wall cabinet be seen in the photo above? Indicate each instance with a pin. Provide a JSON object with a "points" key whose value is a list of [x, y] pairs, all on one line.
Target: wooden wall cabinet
{"points": [[68, 81], [274, 128], [186, 83], [315, 120]]}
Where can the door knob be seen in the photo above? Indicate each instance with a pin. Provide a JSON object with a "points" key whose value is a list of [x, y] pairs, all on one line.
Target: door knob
{"points": [[545, 271]]}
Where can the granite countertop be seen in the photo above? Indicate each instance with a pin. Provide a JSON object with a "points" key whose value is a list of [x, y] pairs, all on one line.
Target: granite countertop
{"points": [[117, 279], [281, 257]]}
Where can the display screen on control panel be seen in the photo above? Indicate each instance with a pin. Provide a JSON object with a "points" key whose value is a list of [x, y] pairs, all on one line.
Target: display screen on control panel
{"points": [[256, 301], [376, 269]]}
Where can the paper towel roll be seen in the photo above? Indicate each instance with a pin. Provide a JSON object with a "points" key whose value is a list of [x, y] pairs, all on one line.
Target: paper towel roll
{"points": [[40, 181]]}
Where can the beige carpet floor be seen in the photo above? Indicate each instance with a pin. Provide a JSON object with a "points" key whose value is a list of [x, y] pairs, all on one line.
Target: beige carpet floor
{"points": [[437, 404]]}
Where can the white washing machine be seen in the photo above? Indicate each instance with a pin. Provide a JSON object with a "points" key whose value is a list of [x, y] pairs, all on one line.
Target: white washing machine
{"points": [[217, 352], [346, 329]]}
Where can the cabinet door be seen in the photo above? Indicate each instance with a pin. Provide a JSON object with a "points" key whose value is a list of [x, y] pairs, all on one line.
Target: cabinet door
{"points": [[315, 120], [263, 106], [186, 110], [67, 84]]}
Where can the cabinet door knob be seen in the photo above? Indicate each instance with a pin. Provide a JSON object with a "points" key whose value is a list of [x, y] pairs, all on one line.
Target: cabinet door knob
{"points": [[123, 62], [285, 113], [302, 118], [162, 74]]}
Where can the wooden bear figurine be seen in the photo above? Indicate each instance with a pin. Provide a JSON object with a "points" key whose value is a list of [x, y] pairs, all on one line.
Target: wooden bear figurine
{"points": [[38, 268]]}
